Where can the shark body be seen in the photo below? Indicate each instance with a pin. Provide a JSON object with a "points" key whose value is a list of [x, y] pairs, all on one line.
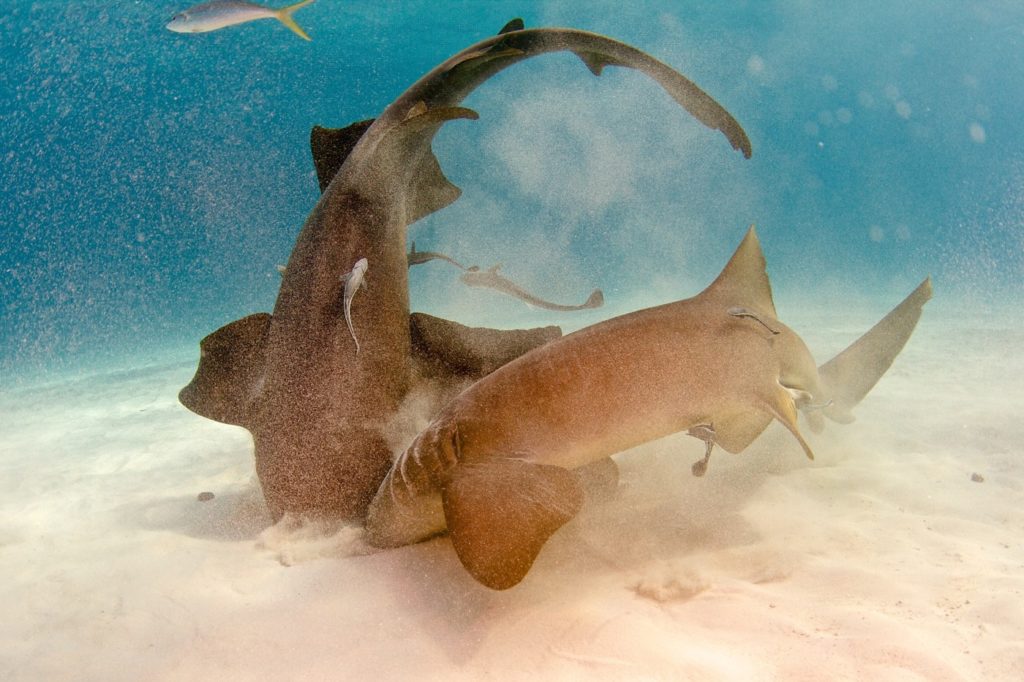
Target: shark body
{"points": [[315, 414], [497, 468]]}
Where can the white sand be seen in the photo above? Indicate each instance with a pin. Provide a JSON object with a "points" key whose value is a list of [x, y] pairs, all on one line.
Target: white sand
{"points": [[881, 560]]}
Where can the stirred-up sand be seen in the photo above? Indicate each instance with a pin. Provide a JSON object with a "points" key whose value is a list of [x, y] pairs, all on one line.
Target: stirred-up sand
{"points": [[897, 555]]}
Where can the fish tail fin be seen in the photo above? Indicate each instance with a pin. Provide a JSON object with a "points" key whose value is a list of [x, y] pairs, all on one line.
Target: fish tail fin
{"points": [[850, 375], [596, 299], [284, 15]]}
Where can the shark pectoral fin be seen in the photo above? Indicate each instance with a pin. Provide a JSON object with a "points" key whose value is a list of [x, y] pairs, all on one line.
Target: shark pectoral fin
{"points": [[814, 421], [849, 376], [598, 480], [232, 361], [444, 348], [331, 146], [431, 190], [784, 409], [500, 512]]}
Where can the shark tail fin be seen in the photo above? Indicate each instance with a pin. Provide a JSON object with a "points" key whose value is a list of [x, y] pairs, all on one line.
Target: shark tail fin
{"points": [[500, 512], [284, 15], [849, 376]]}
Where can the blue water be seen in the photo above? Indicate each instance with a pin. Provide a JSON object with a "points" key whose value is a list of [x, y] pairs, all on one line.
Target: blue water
{"points": [[151, 181]]}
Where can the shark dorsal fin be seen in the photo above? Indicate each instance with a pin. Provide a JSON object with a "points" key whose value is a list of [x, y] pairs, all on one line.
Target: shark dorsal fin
{"points": [[595, 61], [514, 25], [331, 146], [744, 281]]}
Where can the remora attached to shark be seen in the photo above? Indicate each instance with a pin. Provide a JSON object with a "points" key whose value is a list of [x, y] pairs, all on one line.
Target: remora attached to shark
{"points": [[315, 409], [499, 466]]}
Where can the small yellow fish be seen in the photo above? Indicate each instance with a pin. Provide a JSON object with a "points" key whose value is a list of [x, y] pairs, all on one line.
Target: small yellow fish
{"points": [[211, 16]]}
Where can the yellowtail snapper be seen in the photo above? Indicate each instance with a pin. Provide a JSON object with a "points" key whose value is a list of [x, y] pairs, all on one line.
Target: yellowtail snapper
{"points": [[211, 16]]}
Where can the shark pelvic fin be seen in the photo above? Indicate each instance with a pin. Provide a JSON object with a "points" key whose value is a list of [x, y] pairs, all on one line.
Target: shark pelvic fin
{"points": [[782, 406], [599, 480], [734, 433], [331, 146], [849, 376], [743, 283], [231, 366], [500, 512]]}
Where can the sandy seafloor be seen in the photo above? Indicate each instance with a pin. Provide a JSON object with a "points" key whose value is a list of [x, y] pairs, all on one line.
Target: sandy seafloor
{"points": [[880, 560]]}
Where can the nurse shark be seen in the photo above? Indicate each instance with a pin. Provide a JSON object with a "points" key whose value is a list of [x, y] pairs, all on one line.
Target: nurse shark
{"points": [[499, 467], [316, 409]]}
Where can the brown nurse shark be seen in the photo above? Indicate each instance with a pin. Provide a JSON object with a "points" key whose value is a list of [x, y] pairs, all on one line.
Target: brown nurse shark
{"points": [[498, 467], [314, 407]]}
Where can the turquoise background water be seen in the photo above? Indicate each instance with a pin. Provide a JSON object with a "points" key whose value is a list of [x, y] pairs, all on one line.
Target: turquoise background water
{"points": [[151, 181]]}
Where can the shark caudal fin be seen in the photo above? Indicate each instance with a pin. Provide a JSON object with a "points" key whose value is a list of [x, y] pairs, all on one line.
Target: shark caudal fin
{"points": [[501, 511], [743, 283], [284, 15], [849, 376], [232, 361]]}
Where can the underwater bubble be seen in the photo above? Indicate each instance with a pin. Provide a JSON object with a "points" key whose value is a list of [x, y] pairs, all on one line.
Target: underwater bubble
{"points": [[977, 132], [876, 233], [970, 81], [826, 118], [755, 65], [892, 93], [903, 109], [811, 128], [844, 115], [903, 232], [866, 99], [830, 83]]}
